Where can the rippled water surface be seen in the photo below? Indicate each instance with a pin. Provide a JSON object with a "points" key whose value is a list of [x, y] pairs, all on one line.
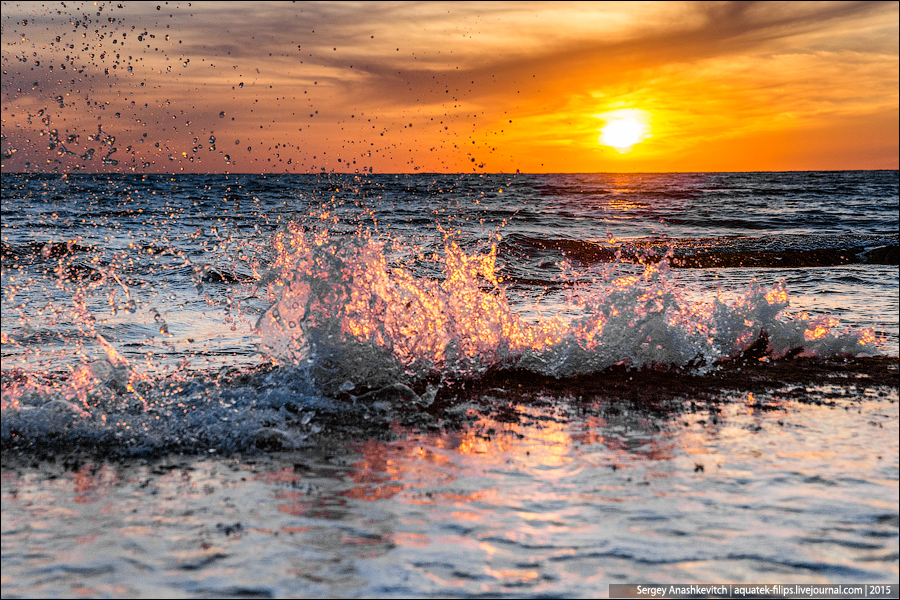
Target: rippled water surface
{"points": [[562, 502]]}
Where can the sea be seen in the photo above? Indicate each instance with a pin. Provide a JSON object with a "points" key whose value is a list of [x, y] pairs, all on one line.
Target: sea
{"points": [[436, 385]]}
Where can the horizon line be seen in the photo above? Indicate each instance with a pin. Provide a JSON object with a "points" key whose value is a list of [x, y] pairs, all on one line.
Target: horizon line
{"points": [[318, 173]]}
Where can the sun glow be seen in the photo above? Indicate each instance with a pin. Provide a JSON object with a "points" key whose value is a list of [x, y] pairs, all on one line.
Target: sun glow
{"points": [[624, 128]]}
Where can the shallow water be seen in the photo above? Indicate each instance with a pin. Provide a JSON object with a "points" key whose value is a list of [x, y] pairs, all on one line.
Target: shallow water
{"points": [[561, 500]]}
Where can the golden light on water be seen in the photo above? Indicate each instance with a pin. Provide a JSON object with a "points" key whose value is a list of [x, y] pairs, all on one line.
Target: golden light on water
{"points": [[624, 128]]}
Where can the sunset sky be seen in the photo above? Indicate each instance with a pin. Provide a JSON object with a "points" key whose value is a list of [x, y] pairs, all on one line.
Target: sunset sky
{"points": [[254, 87]]}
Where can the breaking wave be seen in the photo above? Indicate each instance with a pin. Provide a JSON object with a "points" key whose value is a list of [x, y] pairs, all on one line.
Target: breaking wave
{"points": [[355, 322], [346, 309]]}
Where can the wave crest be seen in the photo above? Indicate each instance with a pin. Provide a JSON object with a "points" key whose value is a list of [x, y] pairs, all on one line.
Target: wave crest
{"points": [[345, 310]]}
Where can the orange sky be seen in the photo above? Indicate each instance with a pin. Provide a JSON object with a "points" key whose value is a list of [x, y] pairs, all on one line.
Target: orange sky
{"points": [[448, 87]]}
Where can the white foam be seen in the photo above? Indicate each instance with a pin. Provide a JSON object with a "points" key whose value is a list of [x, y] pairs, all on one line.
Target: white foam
{"points": [[344, 318], [340, 308]]}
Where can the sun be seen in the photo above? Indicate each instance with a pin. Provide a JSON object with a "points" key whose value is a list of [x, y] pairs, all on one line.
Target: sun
{"points": [[624, 128]]}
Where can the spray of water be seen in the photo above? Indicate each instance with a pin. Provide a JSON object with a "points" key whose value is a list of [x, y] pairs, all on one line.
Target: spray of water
{"points": [[342, 308], [351, 313]]}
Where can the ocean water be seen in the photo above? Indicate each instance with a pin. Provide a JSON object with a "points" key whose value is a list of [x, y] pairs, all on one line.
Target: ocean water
{"points": [[436, 385]]}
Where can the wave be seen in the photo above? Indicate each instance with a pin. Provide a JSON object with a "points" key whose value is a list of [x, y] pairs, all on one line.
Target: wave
{"points": [[706, 253], [340, 302], [354, 329]]}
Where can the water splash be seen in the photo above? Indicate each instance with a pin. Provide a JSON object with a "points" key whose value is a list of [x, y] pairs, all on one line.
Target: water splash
{"points": [[353, 313], [342, 308]]}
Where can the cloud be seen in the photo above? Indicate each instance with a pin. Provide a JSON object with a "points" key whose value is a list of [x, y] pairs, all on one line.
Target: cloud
{"points": [[329, 79]]}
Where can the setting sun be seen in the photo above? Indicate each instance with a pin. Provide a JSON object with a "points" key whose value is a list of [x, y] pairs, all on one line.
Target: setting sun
{"points": [[623, 129]]}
